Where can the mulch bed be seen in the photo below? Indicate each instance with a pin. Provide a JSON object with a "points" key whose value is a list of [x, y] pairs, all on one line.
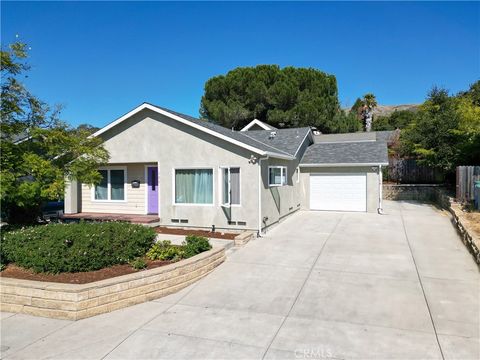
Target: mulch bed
{"points": [[17, 272], [209, 234], [473, 219]]}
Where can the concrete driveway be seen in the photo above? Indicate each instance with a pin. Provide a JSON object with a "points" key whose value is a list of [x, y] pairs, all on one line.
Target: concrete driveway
{"points": [[320, 285]]}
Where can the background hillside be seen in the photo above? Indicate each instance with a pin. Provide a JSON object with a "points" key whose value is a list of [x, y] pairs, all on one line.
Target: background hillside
{"points": [[386, 110]]}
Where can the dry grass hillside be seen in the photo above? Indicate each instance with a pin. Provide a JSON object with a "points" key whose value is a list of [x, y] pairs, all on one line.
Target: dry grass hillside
{"points": [[384, 110]]}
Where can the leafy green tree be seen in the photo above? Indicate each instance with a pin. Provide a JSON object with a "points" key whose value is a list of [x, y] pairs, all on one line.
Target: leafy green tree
{"points": [[468, 109], [344, 122], [357, 108], [38, 151], [445, 131], [87, 127], [397, 120], [284, 98]]}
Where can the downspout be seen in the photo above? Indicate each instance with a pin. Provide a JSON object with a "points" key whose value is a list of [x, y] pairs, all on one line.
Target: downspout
{"points": [[259, 233], [380, 190]]}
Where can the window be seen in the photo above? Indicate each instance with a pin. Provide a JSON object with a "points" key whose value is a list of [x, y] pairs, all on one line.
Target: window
{"points": [[298, 175], [101, 190], [277, 175], [230, 186], [112, 185], [194, 186]]}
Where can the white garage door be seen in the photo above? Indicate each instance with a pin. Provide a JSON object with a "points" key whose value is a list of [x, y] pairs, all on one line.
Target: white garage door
{"points": [[341, 192]]}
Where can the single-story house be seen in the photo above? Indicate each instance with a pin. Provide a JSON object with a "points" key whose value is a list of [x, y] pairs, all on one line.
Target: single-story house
{"points": [[191, 172]]}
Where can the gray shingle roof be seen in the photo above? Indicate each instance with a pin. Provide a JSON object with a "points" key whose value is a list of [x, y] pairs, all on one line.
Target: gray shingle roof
{"points": [[386, 135], [358, 136], [287, 140], [285, 144], [364, 152]]}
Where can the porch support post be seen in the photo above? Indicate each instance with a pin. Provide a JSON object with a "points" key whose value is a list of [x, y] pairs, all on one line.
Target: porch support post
{"points": [[72, 193]]}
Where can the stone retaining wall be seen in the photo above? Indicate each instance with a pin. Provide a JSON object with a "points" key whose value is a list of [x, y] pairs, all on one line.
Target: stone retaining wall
{"points": [[419, 192], [78, 301], [244, 238], [469, 238]]}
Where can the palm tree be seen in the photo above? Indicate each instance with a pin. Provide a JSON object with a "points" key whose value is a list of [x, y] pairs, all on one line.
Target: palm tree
{"points": [[369, 103]]}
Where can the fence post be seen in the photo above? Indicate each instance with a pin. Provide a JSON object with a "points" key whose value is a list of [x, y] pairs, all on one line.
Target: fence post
{"points": [[465, 182]]}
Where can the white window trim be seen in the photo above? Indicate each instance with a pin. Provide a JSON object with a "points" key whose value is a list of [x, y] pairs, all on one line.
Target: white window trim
{"points": [[283, 171], [220, 186], [298, 174], [109, 186], [192, 168]]}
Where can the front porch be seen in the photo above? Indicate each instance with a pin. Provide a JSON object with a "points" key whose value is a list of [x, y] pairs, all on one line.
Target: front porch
{"points": [[132, 218]]}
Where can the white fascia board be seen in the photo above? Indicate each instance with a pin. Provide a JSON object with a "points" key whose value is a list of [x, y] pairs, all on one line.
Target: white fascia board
{"points": [[342, 164], [344, 141], [256, 122], [179, 119], [309, 132], [279, 156]]}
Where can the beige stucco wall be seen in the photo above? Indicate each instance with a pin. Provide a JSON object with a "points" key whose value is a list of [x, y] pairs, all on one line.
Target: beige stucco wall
{"points": [[372, 183], [149, 137], [279, 201]]}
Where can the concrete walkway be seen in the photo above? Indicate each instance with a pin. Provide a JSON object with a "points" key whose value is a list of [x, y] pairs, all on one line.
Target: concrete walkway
{"points": [[320, 285]]}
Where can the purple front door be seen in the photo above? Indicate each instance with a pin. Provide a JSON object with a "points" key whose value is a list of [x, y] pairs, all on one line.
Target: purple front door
{"points": [[152, 192]]}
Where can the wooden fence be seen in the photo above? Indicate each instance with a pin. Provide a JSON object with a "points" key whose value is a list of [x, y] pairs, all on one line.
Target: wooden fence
{"points": [[466, 177], [407, 171]]}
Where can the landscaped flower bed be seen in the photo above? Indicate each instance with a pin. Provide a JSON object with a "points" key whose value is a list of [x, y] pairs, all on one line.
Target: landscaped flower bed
{"points": [[84, 252], [78, 301], [205, 233]]}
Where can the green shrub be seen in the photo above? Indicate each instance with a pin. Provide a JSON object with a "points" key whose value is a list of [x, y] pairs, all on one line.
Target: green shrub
{"points": [[194, 245], [56, 248], [3, 259], [164, 250], [138, 264]]}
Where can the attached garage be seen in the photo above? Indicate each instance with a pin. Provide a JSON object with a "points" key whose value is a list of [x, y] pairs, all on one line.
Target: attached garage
{"points": [[344, 176], [338, 192]]}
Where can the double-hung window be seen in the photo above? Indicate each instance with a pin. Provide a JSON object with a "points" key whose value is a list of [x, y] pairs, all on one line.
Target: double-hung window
{"points": [[112, 185], [277, 175], [193, 186], [230, 185]]}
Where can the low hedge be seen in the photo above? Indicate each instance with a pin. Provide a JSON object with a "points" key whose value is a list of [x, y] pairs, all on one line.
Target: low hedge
{"points": [[164, 250], [83, 246], [194, 245]]}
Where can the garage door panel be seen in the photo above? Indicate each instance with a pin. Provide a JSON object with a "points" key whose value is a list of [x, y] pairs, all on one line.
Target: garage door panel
{"points": [[338, 192]]}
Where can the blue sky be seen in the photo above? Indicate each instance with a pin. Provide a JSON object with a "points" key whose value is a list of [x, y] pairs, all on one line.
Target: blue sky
{"points": [[101, 59]]}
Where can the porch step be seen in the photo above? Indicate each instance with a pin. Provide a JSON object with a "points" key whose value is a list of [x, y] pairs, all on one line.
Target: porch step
{"points": [[132, 218]]}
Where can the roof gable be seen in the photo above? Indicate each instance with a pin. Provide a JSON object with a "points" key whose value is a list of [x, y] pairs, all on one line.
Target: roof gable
{"points": [[240, 139], [256, 124]]}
